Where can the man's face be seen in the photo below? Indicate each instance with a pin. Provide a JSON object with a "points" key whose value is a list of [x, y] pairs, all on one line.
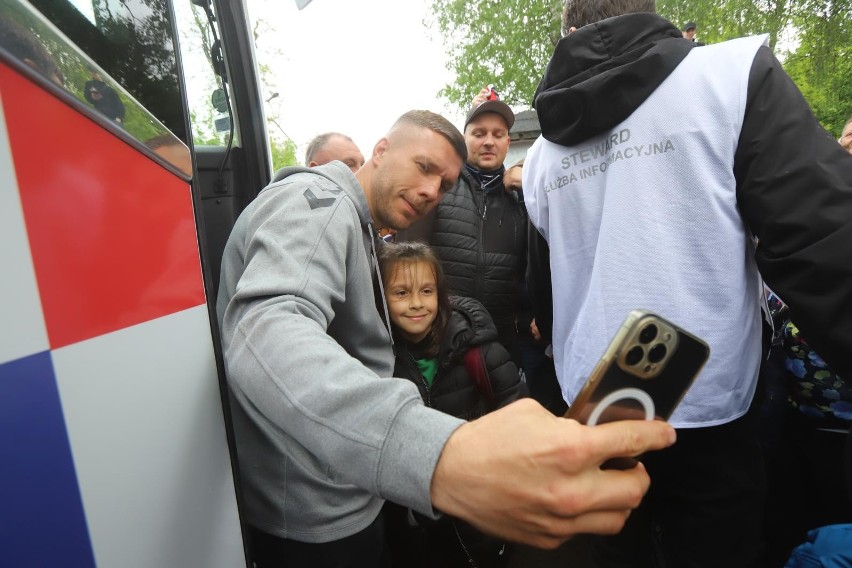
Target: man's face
{"points": [[846, 137], [689, 34], [487, 139], [413, 170], [338, 148]]}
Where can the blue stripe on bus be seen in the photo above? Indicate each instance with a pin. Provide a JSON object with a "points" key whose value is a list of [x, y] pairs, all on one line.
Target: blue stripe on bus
{"points": [[43, 523]]}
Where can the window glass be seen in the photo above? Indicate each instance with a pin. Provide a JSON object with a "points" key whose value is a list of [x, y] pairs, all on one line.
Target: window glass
{"points": [[132, 41], [206, 100]]}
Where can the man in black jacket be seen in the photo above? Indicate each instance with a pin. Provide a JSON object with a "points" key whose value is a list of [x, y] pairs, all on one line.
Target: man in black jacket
{"points": [[104, 98], [479, 228]]}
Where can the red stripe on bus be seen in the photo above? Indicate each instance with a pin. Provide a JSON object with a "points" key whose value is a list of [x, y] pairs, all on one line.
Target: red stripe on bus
{"points": [[112, 233]]}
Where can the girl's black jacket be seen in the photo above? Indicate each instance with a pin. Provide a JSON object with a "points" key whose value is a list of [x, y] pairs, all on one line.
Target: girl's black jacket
{"points": [[453, 391]]}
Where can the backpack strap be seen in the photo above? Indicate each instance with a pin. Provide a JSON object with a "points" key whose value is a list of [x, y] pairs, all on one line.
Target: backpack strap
{"points": [[474, 363]]}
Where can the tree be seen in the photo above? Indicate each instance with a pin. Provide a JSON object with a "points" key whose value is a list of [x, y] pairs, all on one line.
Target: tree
{"points": [[821, 66], [283, 153], [509, 42], [283, 149], [506, 43]]}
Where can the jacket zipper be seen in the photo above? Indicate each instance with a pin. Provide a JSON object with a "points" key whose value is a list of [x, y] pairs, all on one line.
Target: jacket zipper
{"points": [[428, 401], [480, 251]]}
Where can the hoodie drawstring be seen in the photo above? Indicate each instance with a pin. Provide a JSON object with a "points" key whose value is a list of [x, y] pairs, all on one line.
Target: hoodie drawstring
{"points": [[375, 259]]}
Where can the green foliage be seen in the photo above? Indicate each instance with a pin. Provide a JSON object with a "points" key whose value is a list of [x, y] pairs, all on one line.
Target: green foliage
{"points": [[509, 42], [821, 66], [506, 43], [718, 21], [283, 153]]}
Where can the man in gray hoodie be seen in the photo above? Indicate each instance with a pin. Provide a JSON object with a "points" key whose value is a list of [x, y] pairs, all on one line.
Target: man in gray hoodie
{"points": [[324, 435]]}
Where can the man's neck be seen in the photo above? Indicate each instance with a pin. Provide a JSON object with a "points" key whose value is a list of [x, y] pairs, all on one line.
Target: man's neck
{"points": [[488, 179]]}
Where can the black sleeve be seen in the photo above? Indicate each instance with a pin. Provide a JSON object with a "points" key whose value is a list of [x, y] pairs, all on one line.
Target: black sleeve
{"points": [[505, 380], [794, 190], [539, 285]]}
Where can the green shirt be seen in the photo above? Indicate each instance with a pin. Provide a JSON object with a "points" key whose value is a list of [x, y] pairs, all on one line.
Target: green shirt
{"points": [[428, 368]]}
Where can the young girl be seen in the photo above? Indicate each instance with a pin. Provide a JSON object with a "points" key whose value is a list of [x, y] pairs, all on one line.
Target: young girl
{"points": [[432, 333]]}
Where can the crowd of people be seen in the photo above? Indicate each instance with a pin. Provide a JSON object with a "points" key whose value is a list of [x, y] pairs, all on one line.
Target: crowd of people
{"points": [[383, 405]]}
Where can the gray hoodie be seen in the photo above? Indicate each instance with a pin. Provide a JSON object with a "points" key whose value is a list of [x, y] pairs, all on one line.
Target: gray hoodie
{"points": [[323, 433]]}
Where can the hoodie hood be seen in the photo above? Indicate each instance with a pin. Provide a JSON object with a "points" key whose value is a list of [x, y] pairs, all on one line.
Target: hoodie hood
{"points": [[469, 325], [601, 73], [342, 178]]}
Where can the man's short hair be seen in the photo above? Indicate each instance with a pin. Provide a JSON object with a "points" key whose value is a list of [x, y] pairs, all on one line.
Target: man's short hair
{"points": [[436, 123], [317, 143], [579, 13]]}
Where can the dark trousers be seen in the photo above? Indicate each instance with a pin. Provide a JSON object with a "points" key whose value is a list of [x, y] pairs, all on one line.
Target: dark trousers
{"points": [[540, 373], [366, 549], [705, 505]]}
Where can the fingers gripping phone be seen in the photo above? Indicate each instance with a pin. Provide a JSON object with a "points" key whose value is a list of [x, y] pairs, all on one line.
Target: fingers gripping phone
{"points": [[644, 373]]}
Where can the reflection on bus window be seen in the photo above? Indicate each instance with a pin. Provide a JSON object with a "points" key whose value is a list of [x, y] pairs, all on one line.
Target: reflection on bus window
{"points": [[24, 45], [132, 41], [34, 44]]}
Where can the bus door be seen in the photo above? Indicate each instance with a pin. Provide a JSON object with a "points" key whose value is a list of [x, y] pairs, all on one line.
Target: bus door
{"points": [[114, 444]]}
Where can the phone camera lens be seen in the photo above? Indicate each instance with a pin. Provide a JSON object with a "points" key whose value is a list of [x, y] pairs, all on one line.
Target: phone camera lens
{"points": [[657, 353], [634, 355], [648, 333]]}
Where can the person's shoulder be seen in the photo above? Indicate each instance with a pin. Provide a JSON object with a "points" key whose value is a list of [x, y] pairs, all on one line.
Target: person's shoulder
{"points": [[466, 305], [303, 196], [472, 314]]}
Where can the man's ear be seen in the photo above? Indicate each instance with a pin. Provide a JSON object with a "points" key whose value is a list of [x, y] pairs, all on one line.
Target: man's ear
{"points": [[312, 164], [379, 150], [572, 29]]}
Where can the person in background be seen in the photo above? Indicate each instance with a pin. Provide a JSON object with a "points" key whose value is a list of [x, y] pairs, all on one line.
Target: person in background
{"points": [[333, 146], [104, 98], [325, 435], [689, 33], [845, 139], [434, 335], [769, 194]]}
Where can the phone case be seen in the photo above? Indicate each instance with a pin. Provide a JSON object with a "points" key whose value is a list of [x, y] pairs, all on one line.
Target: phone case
{"points": [[644, 373]]}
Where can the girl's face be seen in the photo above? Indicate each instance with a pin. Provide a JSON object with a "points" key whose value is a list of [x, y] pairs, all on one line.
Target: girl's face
{"points": [[412, 298]]}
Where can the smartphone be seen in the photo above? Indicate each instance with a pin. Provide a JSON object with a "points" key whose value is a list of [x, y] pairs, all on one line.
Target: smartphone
{"points": [[644, 373]]}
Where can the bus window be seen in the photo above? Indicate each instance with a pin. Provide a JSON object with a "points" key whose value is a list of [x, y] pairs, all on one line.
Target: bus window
{"points": [[206, 98], [35, 43], [132, 42]]}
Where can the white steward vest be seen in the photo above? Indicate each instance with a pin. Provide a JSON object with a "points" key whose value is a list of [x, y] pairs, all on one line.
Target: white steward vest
{"points": [[644, 216]]}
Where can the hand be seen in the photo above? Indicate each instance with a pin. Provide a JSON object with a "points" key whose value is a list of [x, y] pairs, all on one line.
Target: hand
{"points": [[480, 98], [534, 332], [512, 178], [525, 475]]}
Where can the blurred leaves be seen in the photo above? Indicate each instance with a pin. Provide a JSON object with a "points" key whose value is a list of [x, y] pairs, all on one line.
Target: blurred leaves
{"points": [[509, 42]]}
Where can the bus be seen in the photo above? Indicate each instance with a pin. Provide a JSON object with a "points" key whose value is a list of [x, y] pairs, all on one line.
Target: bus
{"points": [[115, 444]]}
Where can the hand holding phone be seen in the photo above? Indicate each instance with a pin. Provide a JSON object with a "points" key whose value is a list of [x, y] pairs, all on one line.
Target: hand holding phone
{"points": [[643, 374]]}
